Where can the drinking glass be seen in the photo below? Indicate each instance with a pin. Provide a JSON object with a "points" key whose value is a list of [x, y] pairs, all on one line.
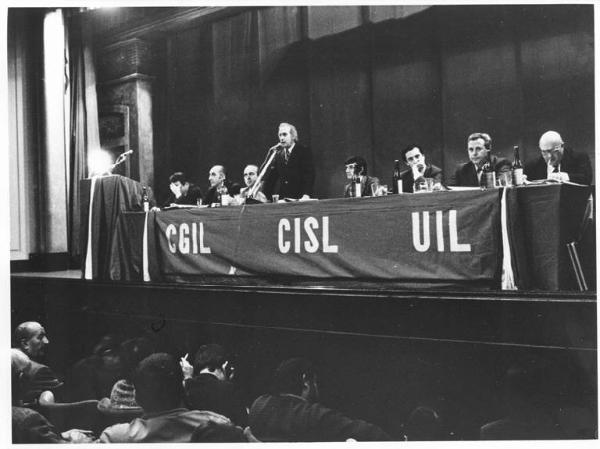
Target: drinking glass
{"points": [[375, 188], [275, 198]]}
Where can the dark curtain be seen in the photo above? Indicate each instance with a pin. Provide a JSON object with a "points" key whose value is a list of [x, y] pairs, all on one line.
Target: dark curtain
{"points": [[354, 87], [83, 120]]}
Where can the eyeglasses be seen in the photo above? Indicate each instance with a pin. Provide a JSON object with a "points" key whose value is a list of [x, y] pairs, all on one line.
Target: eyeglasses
{"points": [[551, 150]]}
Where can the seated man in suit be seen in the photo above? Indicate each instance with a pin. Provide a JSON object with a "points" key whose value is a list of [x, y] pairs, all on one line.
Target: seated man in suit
{"points": [[219, 185], [469, 174], [292, 172], [182, 191], [209, 384], [250, 176], [559, 163], [29, 426], [357, 166], [158, 390], [292, 412], [418, 168]]}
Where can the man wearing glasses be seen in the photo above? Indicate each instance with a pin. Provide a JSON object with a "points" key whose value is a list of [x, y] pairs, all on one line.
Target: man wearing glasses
{"points": [[559, 163]]}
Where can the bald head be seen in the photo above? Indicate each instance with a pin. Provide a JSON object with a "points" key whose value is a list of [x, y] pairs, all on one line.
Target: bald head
{"points": [[216, 175], [551, 147], [30, 337]]}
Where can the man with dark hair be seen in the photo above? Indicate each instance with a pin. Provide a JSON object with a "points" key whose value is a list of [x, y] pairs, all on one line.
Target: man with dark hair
{"points": [[212, 387], [357, 166], [479, 146], [291, 413], [418, 169], [292, 172], [250, 177], [559, 163], [30, 337], [219, 185], [182, 191], [158, 390]]}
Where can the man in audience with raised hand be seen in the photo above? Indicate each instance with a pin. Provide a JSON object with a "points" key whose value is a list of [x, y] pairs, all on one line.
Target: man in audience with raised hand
{"points": [[158, 390], [209, 384]]}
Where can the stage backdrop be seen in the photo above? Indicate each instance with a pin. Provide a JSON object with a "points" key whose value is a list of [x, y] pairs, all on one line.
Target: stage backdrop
{"points": [[356, 84]]}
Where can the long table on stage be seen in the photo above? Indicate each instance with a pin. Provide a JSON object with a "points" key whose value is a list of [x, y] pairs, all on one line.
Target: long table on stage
{"points": [[469, 239]]}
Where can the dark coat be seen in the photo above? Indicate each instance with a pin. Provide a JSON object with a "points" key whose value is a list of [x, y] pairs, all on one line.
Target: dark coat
{"points": [[365, 190], [291, 418], [206, 392], [293, 178], [233, 188], [29, 427], [466, 174], [576, 165], [408, 180]]}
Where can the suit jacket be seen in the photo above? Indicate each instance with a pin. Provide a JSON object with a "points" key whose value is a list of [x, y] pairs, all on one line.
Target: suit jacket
{"points": [[211, 196], [293, 178], [290, 418], [38, 378], [466, 174], [576, 165], [206, 392], [365, 190], [29, 427], [408, 180]]}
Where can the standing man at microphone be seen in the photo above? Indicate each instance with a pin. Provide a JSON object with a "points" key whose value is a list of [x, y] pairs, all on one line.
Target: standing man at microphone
{"points": [[418, 169], [292, 172]]}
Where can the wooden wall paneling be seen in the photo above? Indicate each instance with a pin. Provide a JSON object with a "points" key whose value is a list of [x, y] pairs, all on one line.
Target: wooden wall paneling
{"points": [[406, 91], [235, 82], [340, 107], [283, 78], [480, 88], [189, 83], [558, 70]]}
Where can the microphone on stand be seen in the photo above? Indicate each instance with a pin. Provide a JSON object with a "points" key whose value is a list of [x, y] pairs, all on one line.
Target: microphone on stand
{"points": [[120, 160]]}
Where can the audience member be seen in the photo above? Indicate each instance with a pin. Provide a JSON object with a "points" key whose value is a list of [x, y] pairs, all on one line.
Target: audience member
{"points": [[214, 432], [182, 191], [219, 185], [158, 390], [528, 416], [291, 174], [211, 388], [292, 413], [357, 166], [94, 376], [30, 337], [559, 163], [29, 426], [479, 146], [121, 403], [418, 169], [424, 424], [250, 177]]}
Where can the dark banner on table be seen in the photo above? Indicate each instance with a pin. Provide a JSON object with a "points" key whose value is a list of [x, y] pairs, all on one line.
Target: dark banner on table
{"points": [[445, 236]]}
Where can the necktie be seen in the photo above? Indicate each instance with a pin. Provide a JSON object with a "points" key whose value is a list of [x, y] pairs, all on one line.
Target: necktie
{"points": [[286, 154]]}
